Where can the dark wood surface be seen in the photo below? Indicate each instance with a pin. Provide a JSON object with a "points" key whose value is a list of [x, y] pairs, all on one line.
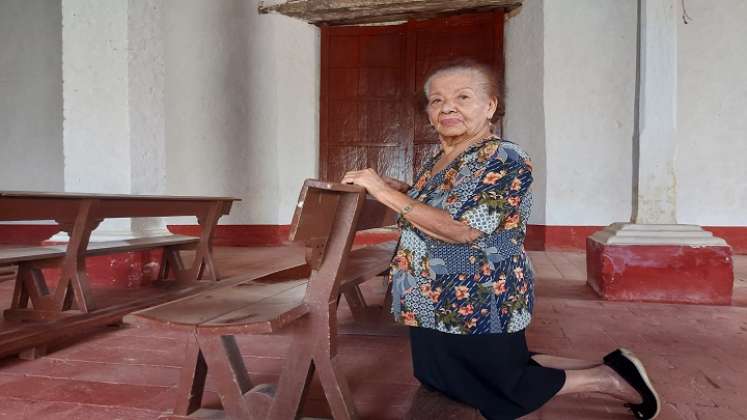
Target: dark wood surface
{"points": [[371, 103], [138, 197], [14, 254], [325, 220]]}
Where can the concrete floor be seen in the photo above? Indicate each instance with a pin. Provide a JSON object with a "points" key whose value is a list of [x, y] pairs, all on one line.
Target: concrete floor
{"points": [[695, 355]]}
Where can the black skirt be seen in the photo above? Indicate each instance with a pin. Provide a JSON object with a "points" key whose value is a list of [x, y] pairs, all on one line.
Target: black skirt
{"points": [[491, 372]]}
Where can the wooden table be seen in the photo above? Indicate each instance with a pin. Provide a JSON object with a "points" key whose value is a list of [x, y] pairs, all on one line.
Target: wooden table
{"points": [[79, 214]]}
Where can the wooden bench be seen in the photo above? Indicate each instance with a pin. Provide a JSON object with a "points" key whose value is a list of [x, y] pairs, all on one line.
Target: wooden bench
{"points": [[325, 221], [31, 287], [78, 215]]}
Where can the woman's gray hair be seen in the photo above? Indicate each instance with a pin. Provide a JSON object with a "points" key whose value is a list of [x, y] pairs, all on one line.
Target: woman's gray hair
{"points": [[488, 82]]}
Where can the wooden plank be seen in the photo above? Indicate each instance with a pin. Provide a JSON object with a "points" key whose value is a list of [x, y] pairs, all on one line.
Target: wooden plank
{"points": [[264, 309], [375, 215], [49, 195], [109, 247], [18, 206], [13, 254], [347, 12], [213, 303], [368, 262]]}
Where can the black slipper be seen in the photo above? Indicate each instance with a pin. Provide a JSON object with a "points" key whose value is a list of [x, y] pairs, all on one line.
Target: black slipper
{"points": [[631, 369]]}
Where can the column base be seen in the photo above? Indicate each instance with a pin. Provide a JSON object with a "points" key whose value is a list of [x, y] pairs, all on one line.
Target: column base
{"points": [[659, 263]]}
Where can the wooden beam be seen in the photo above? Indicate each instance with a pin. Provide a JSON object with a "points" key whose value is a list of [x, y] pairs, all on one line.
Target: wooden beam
{"points": [[349, 12]]}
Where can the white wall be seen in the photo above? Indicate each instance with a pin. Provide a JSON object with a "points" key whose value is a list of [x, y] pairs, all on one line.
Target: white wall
{"points": [[524, 122], [712, 114], [31, 95], [589, 84], [96, 105], [570, 82], [241, 106]]}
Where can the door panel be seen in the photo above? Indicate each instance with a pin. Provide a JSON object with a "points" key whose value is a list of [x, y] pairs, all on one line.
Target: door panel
{"points": [[372, 112]]}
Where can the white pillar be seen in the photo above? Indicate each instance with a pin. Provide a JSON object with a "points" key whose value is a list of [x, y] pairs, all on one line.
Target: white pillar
{"points": [[657, 114], [654, 220], [147, 110], [113, 103]]}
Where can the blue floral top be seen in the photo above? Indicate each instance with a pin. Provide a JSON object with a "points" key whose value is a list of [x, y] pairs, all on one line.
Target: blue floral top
{"points": [[481, 287]]}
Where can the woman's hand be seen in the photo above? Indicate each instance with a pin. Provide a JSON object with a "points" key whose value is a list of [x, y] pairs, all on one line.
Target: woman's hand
{"points": [[368, 179], [435, 222]]}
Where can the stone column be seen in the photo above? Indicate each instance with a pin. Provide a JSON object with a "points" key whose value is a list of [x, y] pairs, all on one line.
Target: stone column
{"points": [[147, 110], [113, 103], [656, 116], [654, 258]]}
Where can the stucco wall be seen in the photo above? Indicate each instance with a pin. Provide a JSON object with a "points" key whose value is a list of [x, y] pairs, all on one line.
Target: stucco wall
{"points": [[241, 106], [589, 85], [712, 114], [524, 122], [30, 95], [570, 86], [95, 90]]}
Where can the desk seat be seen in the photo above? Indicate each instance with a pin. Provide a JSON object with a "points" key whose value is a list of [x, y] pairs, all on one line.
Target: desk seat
{"points": [[12, 254], [256, 306]]}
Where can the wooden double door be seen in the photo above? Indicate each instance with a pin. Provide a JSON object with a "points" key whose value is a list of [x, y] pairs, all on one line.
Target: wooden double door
{"points": [[372, 104]]}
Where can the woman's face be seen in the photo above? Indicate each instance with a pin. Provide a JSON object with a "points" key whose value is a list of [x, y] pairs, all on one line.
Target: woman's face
{"points": [[457, 108]]}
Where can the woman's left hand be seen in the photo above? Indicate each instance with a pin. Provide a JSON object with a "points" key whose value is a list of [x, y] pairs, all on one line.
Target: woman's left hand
{"points": [[366, 178]]}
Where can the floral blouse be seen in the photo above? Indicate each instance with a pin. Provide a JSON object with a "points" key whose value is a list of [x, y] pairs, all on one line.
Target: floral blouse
{"points": [[481, 287]]}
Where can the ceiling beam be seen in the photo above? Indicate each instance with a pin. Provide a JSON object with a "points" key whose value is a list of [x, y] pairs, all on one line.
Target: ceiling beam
{"points": [[350, 12]]}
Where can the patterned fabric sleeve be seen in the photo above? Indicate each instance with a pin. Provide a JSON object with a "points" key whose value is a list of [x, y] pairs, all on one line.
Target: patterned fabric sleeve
{"points": [[491, 188]]}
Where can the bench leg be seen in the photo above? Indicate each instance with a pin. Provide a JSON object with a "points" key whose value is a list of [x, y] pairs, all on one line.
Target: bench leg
{"points": [[356, 301], [191, 381], [173, 262], [231, 378], [74, 287], [385, 315], [335, 387], [293, 384], [20, 290], [30, 287]]}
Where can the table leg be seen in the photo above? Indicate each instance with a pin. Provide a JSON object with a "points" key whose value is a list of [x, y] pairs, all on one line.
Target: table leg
{"points": [[204, 255], [74, 284]]}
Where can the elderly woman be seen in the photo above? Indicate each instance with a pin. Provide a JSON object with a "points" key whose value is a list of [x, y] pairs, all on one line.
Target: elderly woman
{"points": [[460, 276]]}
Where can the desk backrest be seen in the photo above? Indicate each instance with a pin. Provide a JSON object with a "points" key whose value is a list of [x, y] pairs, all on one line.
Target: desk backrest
{"points": [[327, 211], [326, 219], [319, 206]]}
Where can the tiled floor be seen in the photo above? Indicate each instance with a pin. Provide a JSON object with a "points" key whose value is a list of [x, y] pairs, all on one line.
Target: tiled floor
{"points": [[695, 354]]}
